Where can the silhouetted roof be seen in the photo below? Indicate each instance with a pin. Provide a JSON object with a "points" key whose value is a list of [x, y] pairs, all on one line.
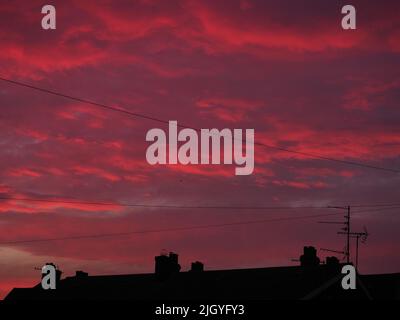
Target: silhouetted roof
{"points": [[252, 284]]}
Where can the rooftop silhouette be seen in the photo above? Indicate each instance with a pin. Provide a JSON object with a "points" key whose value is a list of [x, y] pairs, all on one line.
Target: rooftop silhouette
{"points": [[309, 280]]}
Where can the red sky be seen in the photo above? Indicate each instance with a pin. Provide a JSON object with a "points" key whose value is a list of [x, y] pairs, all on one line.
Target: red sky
{"points": [[284, 68]]}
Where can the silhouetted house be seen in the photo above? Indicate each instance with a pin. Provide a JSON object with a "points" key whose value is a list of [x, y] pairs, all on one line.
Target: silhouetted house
{"points": [[168, 283]]}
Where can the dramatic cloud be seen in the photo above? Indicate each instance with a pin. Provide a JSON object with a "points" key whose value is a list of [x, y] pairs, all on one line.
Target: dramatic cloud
{"points": [[284, 68]]}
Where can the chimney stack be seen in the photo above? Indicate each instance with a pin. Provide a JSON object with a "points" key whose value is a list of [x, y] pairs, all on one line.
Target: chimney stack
{"points": [[309, 257], [166, 265], [197, 267]]}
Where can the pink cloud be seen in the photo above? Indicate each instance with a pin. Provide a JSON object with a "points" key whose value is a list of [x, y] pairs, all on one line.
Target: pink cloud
{"points": [[83, 170], [287, 71], [228, 109], [24, 172]]}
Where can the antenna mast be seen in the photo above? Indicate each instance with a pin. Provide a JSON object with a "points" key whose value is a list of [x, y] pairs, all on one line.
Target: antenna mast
{"points": [[346, 228], [348, 234], [357, 236]]}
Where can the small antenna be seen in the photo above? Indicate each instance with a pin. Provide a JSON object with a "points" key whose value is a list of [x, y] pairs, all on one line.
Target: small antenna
{"points": [[358, 235], [347, 231], [330, 250], [365, 235]]}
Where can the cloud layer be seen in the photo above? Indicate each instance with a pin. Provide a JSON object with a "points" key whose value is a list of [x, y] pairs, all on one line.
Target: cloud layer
{"points": [[285, 69]]}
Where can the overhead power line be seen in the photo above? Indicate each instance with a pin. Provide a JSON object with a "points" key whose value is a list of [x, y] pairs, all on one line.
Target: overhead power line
{"points": [[219, 225], [377, 205], [380, 209], [143, 116], [374, 207], [140, 205]]}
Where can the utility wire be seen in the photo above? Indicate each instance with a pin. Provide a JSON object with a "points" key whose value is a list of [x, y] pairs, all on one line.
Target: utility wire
{"points": [[143, 116], [103, 235], [375, 207], [378, 205], [161, 205]]}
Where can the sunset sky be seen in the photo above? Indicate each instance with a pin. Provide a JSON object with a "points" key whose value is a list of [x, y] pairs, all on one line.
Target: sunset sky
{"points": [[284, 68]]}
